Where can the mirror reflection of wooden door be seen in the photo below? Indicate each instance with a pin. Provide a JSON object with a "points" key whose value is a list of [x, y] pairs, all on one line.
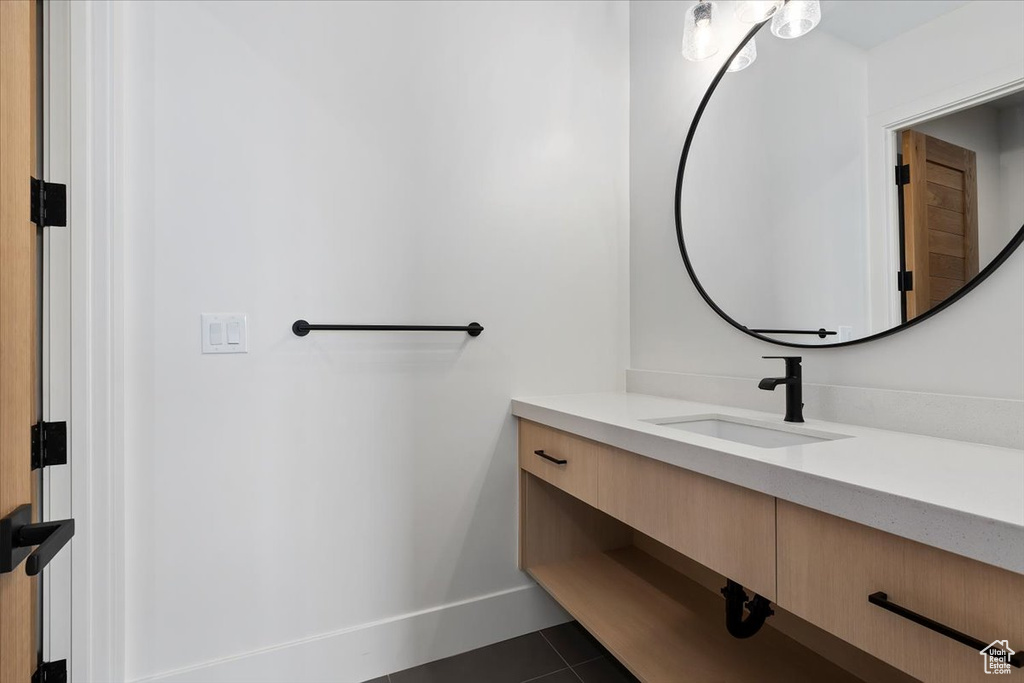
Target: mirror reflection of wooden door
{"points": [[940, 219], [19, 375]]}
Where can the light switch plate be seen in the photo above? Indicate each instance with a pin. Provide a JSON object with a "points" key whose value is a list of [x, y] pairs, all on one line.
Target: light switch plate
{"points": [[224, 333]]}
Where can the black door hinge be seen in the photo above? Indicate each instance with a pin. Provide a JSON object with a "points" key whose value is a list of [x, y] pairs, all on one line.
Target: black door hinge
{"points": [[49, 204], [51, 672], [905, 281], [902, 174], [49, 444]]}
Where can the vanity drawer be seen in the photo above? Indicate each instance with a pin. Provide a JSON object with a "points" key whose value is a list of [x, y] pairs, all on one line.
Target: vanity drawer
{"points": [[829, 566], [725, 527], [577, 476]]}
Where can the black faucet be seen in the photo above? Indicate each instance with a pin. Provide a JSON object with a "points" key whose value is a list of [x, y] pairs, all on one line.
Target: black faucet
{"points": [[794, 387]]}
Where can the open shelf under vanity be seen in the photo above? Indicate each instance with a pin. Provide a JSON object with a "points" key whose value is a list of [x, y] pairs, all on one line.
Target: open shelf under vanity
{"points": [[665, 627], [661, 624]]}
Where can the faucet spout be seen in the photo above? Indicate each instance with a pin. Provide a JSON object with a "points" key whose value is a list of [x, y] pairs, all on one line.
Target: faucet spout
{"points": [[769, 383]]}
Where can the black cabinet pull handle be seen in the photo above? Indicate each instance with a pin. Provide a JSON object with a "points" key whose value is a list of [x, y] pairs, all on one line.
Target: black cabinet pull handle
{"points": [[557, 461], [17, 536], [882, 600]]}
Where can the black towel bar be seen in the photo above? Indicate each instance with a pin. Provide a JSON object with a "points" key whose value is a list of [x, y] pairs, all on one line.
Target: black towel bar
{"points": [[301, 328], [820, 332]]}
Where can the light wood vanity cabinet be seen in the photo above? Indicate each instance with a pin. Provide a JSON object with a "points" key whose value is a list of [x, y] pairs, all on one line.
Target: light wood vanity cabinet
{"points": [[630, 546], [725, 527], [829, 566], [577, 476], [586, 532], [583, 536]]}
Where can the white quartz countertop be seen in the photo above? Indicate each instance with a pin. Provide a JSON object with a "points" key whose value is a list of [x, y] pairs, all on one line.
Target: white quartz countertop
{"points": [[962, 497]]}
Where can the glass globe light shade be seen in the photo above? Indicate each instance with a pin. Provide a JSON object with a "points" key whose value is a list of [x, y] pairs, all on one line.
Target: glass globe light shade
{"points": [[699, 39], [744, 57], [797, 18]]}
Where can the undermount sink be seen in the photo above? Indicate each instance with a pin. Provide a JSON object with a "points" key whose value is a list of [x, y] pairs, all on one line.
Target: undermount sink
{"points": [[750, 432]]}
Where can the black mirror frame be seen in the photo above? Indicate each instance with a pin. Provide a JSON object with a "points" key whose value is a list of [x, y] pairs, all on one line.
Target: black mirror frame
{"points": [[960, 293]]}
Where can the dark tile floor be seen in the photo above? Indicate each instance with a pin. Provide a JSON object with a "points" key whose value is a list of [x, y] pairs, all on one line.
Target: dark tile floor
{"points": [[560, 654]]}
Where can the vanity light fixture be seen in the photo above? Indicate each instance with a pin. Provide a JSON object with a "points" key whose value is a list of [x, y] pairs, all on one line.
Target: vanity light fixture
{"points": [[756, 11], [789, 19], [797, 18], [745, 57], [699, 40]]}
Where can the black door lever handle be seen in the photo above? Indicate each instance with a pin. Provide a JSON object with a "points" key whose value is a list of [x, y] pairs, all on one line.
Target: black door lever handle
{"points": [[18, 535]]}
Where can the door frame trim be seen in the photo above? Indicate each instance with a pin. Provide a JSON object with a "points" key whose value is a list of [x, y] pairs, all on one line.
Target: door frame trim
{"points": [[96, 37], [56, 322]]}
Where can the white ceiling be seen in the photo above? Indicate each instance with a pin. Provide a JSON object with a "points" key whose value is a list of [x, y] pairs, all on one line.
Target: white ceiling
{"points": [[867, 23]]}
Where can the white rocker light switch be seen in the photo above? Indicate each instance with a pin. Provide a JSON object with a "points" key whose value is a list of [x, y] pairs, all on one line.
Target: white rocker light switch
{"points": [[224, 333]]}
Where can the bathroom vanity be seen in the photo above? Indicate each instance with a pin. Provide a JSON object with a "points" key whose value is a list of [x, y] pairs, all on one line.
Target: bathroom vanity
{"points": [[634, 510], [859, 201]]}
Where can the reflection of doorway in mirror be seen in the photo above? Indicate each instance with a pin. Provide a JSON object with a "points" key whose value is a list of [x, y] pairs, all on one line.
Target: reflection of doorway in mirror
{"points": [[967, 200], [940, 199]]}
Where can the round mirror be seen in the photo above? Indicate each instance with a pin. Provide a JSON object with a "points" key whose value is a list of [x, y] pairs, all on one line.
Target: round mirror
{"points": [[855, 167]]}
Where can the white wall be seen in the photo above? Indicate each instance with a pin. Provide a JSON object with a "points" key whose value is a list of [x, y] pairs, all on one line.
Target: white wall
{"points": [[781, 194], [355, 162], [1011, 166], [975, 348]]}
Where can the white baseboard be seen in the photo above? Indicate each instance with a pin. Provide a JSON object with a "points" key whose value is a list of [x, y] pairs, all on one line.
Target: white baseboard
{"points": [[992, 421], [370, 650]]}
